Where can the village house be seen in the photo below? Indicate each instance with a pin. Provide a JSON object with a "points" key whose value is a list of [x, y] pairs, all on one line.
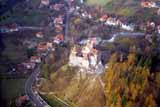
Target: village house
{"points": [[112, 22], [58, 38], [56, 7], [58, 20], [128, 27], [50, 46], [35, 59], [39, 35], [151, 24], [85, 14], [148, 4], [58, 28], [103, 18], [45, 2], [42, 47], [13, 27], [20, 100], [29, 65]]}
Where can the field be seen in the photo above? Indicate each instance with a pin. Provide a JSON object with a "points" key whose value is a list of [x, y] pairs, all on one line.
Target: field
{"points": [[97, 2], [73, 88], [10, 89], [120, 7]]}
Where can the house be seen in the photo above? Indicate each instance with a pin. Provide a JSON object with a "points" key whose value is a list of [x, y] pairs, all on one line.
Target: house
{"points": [[35, 59], [39, 35], [20, 100], [29, 65], [112, 22], [58, 20], [58, 28], [58, 38], [151, 24], [128, 27], [148, 4], [49, 45], [13, 27], [56, 7], [42, 47], [103, 18], [85, 14], [45, 2]]}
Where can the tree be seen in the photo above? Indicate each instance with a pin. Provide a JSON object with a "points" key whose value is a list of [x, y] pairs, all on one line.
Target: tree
{"points": [[127, 84], [45, 69]]}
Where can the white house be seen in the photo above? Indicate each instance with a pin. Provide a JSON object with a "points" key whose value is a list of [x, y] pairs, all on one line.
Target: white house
{"points": [[112, 22], [127, 27], [39, 35], [45, 2], [35, 59]]}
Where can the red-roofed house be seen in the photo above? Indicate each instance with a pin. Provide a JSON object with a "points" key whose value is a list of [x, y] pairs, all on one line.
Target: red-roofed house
{"points": [[42, 47], [58, 20], [35, 59], [59, 38], [148, 4], [39, 35], [103, 18]]}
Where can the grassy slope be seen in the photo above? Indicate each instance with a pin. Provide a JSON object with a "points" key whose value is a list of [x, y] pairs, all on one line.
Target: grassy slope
{"points": [[121, 7], [99, 2], [65, 84]]}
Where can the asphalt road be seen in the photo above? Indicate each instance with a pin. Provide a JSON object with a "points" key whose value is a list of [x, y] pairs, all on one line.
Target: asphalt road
{"points": [[36, 100]]}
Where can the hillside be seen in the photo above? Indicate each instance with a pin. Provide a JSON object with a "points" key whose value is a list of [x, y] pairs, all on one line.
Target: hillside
{"points": [[120, 7]]}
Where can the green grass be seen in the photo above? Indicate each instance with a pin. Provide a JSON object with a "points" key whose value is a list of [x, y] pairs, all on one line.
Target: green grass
{"points": [[11, 88], [97, 2], [52, 101], [126, 11]]}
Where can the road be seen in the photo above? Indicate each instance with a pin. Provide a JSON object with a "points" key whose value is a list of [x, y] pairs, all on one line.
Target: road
{"points": [[30, 28], [124, 34], [36, 98]]}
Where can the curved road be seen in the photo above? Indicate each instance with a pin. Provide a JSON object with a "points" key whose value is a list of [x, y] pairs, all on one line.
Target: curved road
{"points": [[35, 98]]}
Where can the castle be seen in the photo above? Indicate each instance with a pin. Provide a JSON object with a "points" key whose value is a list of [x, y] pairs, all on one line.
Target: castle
{"points": [[86, 57]]}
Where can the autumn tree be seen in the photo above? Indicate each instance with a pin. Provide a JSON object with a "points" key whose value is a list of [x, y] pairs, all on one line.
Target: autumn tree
{"points": [[128, 85]]}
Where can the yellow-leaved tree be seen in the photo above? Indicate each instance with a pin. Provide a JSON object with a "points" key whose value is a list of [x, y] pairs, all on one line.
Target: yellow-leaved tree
{"points": [[128, 85]]}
